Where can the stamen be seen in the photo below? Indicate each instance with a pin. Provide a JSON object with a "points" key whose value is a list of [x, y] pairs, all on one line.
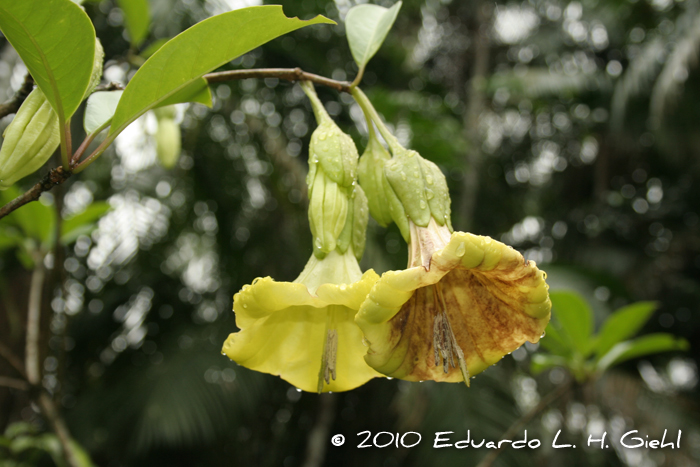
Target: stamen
{"points": [[444, 342], [328, 361]]}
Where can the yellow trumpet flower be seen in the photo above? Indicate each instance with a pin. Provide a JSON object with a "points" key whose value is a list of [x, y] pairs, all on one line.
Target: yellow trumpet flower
{"points": [[463, 303], [304, 331]]}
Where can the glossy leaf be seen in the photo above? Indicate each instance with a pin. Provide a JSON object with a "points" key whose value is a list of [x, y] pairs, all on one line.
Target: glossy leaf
{"points": [[137, 16], [153, 48], [199, 50], [100, 109], [646, 345], [56, 41], [573, 318], [366, 27], [623, 324]]}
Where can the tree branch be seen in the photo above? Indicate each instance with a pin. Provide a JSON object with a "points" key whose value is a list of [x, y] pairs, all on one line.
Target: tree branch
{"points": [[36, 290], [525, 419], [12, 359], [288, 74], [54, 177], [14, 383], [12, 106]]}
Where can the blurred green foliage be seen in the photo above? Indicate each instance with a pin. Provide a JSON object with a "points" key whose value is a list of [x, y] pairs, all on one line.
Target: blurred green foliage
{"points": [[565, 158]]}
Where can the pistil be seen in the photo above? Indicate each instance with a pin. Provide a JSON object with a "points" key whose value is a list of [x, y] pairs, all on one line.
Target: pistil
{"points": [[444, 342]]}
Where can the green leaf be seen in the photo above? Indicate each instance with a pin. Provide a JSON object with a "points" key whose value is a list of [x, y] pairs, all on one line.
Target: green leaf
{"points": [[100, 109], [646, 345], [541, 362], [34, 219], [554, 343], [198, 50], [82, 223], [623, 324], [153, 48], [574, 319], [198, 91], [56, 41], [138, 19], [366, 27]]}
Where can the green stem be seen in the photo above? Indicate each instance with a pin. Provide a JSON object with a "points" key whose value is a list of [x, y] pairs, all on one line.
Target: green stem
{"points": [[66, 148], [316, 104], [372, 114], [357, 79]]}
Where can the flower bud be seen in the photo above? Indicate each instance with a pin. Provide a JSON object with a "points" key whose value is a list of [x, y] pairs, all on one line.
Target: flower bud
{"points": [[420, 187], [371, 177], [168, 142], [354, 231], [328, 210], [29, 140]]}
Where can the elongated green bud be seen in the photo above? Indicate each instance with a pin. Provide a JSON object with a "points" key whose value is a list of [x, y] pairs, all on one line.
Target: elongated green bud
{"points": [[421, 189], [371, 177], [355, 230], [332, 183], [29, 140]]}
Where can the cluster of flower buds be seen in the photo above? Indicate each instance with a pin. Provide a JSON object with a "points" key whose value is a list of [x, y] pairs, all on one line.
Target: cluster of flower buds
{"points": [[33, 135]]}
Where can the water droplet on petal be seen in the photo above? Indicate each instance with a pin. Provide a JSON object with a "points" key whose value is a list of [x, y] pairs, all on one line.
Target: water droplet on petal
{"points": [[343, 287], [429, 193], [461, 249], [543, 334], [429, 179], [422, 204], [403, 176]]}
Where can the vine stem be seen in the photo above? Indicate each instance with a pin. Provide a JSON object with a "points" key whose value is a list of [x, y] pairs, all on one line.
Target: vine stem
{"points": [[525, 419], [59, 175], [318, 437]]}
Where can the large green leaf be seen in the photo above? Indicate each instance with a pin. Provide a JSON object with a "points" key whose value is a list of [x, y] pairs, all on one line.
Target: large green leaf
{"points": [[198, 50], [623, 324], [366, 27], [553, 342], [646, 345], [56, 41], [138, 19], [574, 318]]}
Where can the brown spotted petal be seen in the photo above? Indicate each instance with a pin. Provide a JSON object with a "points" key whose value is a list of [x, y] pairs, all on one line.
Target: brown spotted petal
{"points": [[469, 303]]}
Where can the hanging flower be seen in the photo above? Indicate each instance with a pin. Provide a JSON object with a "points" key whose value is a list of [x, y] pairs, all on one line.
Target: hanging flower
{"points": [[304, 331], [464, 301]]}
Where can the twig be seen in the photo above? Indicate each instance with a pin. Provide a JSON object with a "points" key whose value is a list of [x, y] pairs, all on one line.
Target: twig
{"points": [[14, 383], [48, 408], [522, 421], [288, 74], [59, 175], [318, 438], [54, 177], [32, 357], [111, 86], [36, 290], [12, 359], [13, 105]]}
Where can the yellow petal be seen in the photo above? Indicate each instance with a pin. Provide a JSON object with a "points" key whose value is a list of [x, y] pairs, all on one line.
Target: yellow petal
{"points": [[494, 301], [284, 328]]}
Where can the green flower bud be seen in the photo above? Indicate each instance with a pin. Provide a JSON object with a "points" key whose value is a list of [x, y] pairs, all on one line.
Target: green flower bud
{"points": [[328, 210], [30, 139], [354, 231], [371, 177], [420, 187], [335, 151], [168, 143]]}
